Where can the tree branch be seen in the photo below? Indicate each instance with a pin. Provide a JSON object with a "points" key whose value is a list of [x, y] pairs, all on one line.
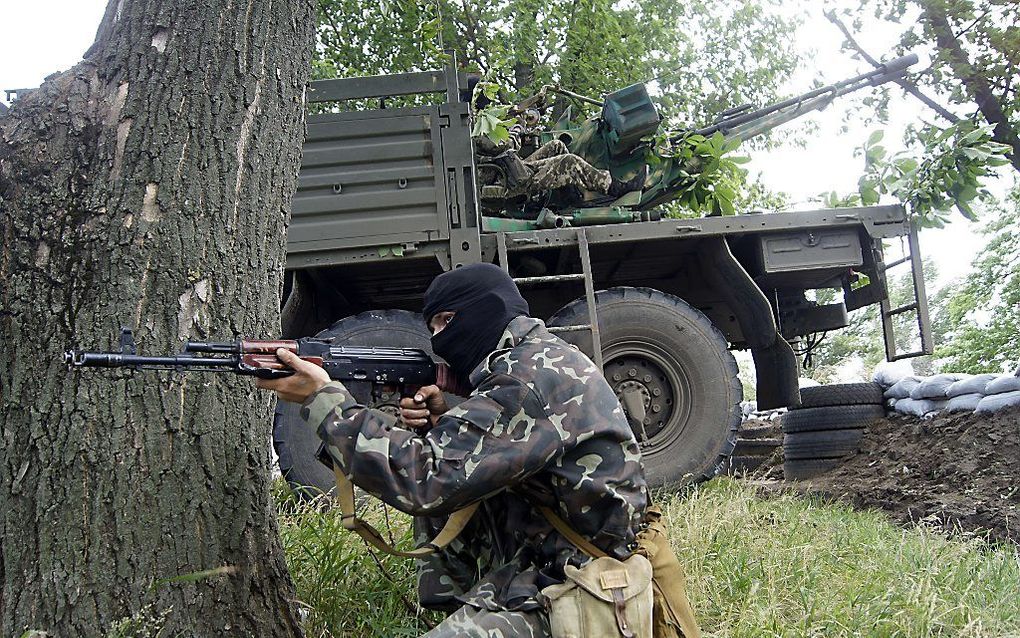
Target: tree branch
{"points": [[976, 84], [973, 24], [906, 84]]}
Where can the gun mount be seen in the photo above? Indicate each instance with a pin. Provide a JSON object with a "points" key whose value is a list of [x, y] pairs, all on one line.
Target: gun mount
{"points": [[620, 138]]}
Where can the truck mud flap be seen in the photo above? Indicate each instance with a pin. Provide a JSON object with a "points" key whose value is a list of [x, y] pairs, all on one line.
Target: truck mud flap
{"points": [[776, 367], [774, 359]]}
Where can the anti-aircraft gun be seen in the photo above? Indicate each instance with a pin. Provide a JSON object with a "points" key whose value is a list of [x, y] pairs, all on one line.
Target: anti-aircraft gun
{"points": [[621, 139]]}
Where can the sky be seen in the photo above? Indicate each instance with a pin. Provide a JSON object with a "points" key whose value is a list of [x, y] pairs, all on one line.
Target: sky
{"points": [[39, 38], [827, 161]]}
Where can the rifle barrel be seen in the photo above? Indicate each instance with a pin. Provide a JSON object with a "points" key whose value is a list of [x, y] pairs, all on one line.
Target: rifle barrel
{"points": [[118, 360], [212, 347]]}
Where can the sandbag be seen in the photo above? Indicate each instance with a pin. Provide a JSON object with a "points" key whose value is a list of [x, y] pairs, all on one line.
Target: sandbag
{"points": [[971, 385], [934, 387], [919, 407], [1002, 384], [964, 403], [901, 389], [996, 402], [888, 374]]}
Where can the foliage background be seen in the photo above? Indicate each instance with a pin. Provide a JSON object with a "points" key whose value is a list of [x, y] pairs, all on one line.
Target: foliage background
{"points": [[701, 56]]}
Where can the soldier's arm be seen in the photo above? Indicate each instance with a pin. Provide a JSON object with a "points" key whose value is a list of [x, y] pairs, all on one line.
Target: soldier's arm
{"points": [[496, 438]]}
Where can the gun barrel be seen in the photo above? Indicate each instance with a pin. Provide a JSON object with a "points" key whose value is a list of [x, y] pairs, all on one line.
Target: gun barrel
{"points": [[80, 359], [812, 100], [220, 347], [898, 65]]}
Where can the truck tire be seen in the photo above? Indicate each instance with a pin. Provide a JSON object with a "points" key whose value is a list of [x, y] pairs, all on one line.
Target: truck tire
{"points": [[840, 417], [826, 444], [669, 352], [755, 447], [808, 468], [294, 441], [739, 465], [763, 431], [840, 394]]}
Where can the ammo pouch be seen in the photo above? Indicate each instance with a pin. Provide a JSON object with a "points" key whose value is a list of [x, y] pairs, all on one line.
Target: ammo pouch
{"points": [[673, 616], [606, 597], [642, 597]]}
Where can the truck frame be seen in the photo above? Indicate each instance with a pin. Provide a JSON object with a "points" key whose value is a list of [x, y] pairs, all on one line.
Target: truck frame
{"points": [[387, 199]]}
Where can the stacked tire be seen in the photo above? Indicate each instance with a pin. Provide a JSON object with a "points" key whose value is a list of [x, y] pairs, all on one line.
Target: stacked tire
{"points": [[828, 426], [757, 442]]}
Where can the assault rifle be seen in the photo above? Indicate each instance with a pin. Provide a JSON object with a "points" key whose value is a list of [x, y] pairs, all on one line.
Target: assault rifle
{"points": [[403, 369]]}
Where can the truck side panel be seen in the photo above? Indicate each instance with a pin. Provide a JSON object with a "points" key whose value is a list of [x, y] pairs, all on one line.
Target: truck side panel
{"points": [[368, 179]]}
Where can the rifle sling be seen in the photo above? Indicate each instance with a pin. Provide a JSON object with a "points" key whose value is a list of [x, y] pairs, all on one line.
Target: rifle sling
{"points": [[568, 533], [345, 495]]}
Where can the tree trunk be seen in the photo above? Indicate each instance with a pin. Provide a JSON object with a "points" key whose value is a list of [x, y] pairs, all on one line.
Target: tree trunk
{"points": [[148, 186], [526, 33]]}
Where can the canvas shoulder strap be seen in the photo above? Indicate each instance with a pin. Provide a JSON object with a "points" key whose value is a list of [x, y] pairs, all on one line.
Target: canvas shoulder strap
{"points": [[568, 532], [345, 495]]}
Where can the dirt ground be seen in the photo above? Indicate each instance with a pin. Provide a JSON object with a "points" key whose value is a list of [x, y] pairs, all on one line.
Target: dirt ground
{"points": [[960, 472]]}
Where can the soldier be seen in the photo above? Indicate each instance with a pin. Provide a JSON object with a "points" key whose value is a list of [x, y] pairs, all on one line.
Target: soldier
{"points": [[549, 167], [541, 427], [554, 166]]}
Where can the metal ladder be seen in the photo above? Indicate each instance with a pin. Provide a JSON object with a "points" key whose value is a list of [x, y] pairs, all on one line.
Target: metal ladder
{"points": [[584, 275], [919, 305]]}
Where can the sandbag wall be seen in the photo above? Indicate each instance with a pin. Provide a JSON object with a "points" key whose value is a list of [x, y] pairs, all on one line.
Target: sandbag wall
{"points": [[949, 393]]}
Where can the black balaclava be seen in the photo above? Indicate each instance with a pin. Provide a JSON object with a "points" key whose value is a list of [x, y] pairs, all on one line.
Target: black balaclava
{"points": [[485, 300]]}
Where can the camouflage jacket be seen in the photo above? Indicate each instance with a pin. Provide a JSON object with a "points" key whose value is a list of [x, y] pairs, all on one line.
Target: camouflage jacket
{"points": [[542, 427]]}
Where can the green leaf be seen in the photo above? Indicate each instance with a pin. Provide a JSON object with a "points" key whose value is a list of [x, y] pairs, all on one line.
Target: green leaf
{"points": [[726, 206], [966, 210], [875, 153], [975, 136], [193, 577], [906, 164], [499, 134], [731, 145], [875, 138]]}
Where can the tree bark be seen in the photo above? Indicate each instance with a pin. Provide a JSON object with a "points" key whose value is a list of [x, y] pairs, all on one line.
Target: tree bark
{"points": [[148, 186]]}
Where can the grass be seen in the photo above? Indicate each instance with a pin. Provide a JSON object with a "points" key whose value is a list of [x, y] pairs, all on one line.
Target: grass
{"points": [[777, 566]]}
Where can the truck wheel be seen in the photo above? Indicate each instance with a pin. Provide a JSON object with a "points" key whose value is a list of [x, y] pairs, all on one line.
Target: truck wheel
{"points": [[294, 441], [670, 354]]}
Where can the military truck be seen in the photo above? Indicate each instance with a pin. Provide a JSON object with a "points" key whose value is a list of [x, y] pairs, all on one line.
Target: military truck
{"points": [[388, 198]]}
